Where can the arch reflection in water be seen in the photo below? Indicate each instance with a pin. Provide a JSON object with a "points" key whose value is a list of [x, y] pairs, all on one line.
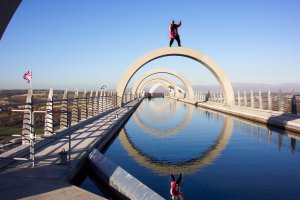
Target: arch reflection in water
{"points": [[153, 111], [185, 167], [165, 132]]}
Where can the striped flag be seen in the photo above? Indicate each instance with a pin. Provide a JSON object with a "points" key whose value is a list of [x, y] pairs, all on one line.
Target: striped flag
{"points": [[28, 76]]}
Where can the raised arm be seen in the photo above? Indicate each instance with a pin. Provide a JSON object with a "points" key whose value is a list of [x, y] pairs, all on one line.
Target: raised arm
{"points": [[179, 24]]}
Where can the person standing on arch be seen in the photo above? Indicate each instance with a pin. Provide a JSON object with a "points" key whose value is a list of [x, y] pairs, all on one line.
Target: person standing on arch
{"points": [[174, 33]]}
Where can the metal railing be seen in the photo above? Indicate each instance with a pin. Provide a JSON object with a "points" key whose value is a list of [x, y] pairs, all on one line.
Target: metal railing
{"points": [[26, 123], [283, 102]]}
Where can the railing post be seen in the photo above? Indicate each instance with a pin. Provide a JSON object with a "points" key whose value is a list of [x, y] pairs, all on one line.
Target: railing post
{"points": [[75, 109], [111, 99], [64, 111], [104, 101], [96, 104], [27, 129], [108, 100], [83, 113], [48, 129], [269, 100], [90, 105], [280, 101], [239, 98], [260, 99], [252, 99], [101, 102], [114, 99]]}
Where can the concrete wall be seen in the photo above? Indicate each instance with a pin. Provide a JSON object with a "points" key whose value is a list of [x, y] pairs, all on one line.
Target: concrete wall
{"points": [[119, 179]]}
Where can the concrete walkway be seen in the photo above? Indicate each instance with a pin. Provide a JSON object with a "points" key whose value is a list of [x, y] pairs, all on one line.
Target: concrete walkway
{"points": [[49, 179]]}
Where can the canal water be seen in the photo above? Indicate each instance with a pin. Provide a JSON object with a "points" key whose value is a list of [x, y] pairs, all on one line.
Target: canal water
{"points": [[220, 157]]}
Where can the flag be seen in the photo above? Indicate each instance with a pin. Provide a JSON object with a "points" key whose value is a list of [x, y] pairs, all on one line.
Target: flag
{"points": [[28, 76]]}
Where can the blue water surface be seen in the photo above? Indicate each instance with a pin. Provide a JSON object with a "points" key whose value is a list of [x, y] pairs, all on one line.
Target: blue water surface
{"points": [[221, 157]]}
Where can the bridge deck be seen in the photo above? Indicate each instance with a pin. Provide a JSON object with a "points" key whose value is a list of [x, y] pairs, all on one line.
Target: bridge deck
{"points": [[49, 179]]}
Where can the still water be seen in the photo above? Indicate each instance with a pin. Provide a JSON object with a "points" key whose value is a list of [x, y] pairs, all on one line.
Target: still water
{"points": [[220, 157]]}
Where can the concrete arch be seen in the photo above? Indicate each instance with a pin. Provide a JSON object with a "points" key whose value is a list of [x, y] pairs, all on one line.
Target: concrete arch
{"points": [[179, 51], [166, 71], [166, 86], [156, 80], [186, 167], [157, 85]]}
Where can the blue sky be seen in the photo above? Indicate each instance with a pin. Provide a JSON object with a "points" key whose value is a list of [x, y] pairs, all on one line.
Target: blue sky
{"points": [[84, 44]]}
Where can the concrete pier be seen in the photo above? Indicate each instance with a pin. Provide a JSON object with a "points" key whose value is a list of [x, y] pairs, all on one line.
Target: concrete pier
{"points": [[49, 179]]}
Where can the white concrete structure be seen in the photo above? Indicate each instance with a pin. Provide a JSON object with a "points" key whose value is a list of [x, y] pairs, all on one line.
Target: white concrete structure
{"points": [[165, 71], [155, 87], [185, 52], [158, 85], [156, 80]]}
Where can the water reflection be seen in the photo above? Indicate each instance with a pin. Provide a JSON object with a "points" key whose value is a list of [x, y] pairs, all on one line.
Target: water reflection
{"points": [[163, 132], [273, 135], [221, 157], [149, 109], [185, 167]]}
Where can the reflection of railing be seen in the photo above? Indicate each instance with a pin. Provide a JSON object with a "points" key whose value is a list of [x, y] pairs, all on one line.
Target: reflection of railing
{"points": [[269, 135], [24, 123], [284, 102]]}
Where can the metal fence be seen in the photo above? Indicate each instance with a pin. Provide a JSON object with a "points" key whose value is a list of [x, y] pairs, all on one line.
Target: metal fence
{"points": [[283, 102], [45, 115]]}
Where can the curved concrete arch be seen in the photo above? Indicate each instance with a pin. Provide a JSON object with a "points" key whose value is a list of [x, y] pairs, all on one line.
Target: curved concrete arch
{"points": [[165, 71], [158, 85], [161, 84], [155, 87], [179, 51], [156, 80], [186, 167]]}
